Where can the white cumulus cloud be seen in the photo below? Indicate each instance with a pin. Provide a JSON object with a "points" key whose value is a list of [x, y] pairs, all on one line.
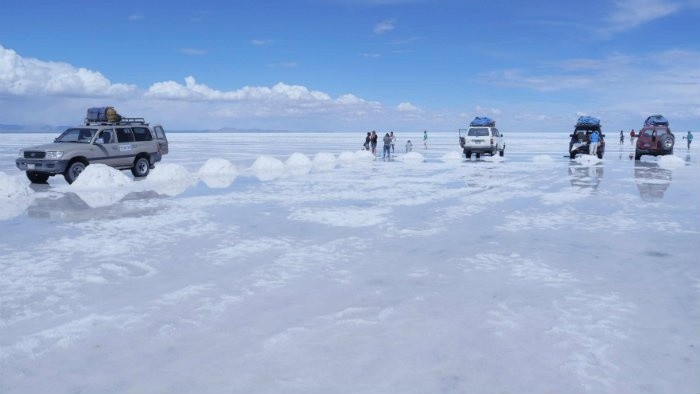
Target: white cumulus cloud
{"points": [[32, 77], [408, 107]]}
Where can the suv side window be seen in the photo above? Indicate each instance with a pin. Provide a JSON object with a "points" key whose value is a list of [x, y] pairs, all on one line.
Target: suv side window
{"points": [[124, 135], [495, 132], [160, 133], [107, 136], [142, 134]]}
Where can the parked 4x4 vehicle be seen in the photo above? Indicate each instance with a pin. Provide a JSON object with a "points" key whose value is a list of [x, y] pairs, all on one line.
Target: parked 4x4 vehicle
{"points": [[129, 143], [580, 138], [482, 137], [655, 138]]}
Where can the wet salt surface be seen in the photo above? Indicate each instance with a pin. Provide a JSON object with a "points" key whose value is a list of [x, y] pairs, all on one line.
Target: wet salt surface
{"points": [[531, 273]]}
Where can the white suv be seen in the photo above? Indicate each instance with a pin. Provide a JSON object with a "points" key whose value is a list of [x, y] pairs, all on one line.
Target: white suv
{"points": [[482, 137], [130, 143]]}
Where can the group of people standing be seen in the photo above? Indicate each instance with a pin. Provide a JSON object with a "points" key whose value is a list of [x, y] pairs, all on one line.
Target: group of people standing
{"points": [[389, 141], [372, 139]]}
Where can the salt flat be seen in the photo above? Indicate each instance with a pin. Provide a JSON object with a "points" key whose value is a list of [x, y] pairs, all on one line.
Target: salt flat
{"points": [[294, 264]]}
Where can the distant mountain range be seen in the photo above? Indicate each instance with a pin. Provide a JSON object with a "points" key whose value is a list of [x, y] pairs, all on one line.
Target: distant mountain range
{"points": [[15, 128]]}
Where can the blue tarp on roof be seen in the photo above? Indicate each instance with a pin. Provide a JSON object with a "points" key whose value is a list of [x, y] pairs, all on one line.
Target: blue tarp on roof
{"points": [[656, 120], [587, 121], [483, 121]]}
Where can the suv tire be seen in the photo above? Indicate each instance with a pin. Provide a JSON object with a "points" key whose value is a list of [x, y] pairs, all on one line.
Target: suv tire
{"points": [[37, 177], [502, 151], [666, 142], [73, 170], [141, 167]]}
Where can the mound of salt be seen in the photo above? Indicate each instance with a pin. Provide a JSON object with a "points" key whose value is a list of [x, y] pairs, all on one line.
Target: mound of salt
{"points": [[100, 176], [15, 196], [100, 185], [670, 162], [267, 168], [588, 160], [324, 161], [217, 173], [169, 179]]}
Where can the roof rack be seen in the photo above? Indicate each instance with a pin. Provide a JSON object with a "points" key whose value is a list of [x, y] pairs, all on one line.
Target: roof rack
{"points": [[123, 121]]}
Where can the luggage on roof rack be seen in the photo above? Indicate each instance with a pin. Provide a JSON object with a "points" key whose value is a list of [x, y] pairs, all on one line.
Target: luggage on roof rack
{"points": [[588, 121], [483, 121], [656, 120], [122, 121], [102, 114], [96, 114]]}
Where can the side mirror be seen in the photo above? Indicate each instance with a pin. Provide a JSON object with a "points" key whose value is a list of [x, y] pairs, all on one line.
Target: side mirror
{"points": [[602, 135], [571, 135]]}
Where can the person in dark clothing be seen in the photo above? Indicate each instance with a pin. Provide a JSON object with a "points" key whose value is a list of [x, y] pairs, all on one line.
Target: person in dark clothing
{"points": [[367, 140], [373, 142]]}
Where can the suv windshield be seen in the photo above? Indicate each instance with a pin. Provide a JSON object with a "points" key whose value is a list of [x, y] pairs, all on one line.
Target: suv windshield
{"points": [[478, 132], [76, 135]]}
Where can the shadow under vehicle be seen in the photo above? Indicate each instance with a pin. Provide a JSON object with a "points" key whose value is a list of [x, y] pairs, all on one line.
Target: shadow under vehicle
{"points": [[580, 138], [655, 138], [652, 181], [585, 176]]}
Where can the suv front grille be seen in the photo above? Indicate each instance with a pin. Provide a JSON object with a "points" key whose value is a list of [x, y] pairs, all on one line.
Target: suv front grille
{"points": [[32, 154]]}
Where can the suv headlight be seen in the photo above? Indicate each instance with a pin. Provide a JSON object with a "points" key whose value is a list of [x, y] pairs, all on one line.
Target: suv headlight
{"points": [[54, 155]]}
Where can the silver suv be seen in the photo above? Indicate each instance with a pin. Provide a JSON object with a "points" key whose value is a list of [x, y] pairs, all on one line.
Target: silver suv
{"points": [[482, 137], [130, 143]]}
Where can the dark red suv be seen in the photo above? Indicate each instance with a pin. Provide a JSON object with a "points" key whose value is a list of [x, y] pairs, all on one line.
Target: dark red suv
{"points": [[655, 138]]}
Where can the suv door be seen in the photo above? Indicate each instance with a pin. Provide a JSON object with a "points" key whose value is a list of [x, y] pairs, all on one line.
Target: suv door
{"points": [[162, 139], [497, 137], [126, 146], [107, 148]]}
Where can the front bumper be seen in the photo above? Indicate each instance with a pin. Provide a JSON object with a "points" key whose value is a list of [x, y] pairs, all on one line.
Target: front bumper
{"points": [[39, 165]]}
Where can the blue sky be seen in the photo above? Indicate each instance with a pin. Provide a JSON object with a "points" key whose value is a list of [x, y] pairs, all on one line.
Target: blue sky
{"points": [[353, 65]]}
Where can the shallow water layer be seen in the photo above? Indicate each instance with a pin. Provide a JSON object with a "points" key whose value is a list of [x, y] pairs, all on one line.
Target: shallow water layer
{"points": [[433, 275]]}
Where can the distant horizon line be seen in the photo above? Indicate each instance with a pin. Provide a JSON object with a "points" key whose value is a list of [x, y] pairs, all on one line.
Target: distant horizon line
{"points": [[261, 131]]}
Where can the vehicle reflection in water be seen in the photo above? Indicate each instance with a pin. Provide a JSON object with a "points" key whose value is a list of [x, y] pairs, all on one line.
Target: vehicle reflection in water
{"points": [[652, 180], [585, 176], [70, 207]]}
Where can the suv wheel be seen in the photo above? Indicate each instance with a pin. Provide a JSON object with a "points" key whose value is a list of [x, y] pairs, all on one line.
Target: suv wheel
{"points": [[141, 167], [502, 151], [666, 142], [637, 155], [37, 177], [74, 169], [468, 154]]}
